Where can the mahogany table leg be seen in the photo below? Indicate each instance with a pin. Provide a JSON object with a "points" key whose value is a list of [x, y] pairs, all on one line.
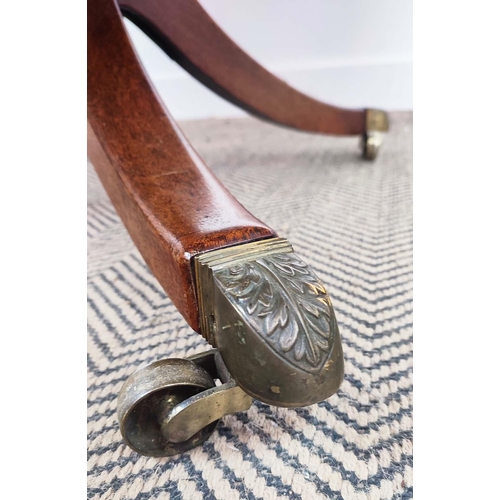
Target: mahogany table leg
{"points": [[231, 277], [185, 31]]}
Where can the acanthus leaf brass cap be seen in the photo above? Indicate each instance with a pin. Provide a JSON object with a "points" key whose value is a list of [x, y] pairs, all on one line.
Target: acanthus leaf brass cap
{"points": [[272, 321]]}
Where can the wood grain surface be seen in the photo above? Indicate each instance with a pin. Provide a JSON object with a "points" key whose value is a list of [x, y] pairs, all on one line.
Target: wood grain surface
{"points": [[170, 202]]}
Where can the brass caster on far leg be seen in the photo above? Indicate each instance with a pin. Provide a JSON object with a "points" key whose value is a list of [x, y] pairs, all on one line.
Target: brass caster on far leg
{"points": [[377, 122], [370, 144]]}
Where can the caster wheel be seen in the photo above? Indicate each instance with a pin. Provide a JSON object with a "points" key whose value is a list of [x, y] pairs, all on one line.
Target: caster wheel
{"points": [[377, 122], [149, 396], [370, 145]]}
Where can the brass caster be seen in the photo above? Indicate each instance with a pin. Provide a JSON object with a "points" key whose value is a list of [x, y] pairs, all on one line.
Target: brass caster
{"points": [[377, 122], [276, 339], [370, 144], [173, 405]]}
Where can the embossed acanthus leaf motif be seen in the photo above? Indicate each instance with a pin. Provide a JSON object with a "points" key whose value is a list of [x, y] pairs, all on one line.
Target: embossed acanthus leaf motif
{"points": [[287, 304]]}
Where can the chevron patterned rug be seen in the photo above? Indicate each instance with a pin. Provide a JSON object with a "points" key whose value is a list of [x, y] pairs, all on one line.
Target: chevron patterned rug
{"points": [[352, 222]]}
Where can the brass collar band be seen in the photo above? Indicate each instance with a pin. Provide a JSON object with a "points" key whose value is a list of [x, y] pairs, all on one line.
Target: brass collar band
{"points": [[208, 263]]}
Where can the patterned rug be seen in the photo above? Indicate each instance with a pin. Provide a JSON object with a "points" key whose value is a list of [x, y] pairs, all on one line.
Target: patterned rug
{"points": [[352, 222]]}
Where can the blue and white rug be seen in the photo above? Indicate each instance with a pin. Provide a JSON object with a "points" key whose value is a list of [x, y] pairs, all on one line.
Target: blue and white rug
{"points": [[352, 222]]}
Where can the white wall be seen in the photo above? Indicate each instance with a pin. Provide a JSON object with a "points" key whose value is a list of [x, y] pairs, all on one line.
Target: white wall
{"points": [[347, 52]]}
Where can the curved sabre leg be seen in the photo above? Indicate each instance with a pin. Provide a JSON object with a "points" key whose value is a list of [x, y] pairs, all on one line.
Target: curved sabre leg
{"points": [[185, 31], [235, 282]]}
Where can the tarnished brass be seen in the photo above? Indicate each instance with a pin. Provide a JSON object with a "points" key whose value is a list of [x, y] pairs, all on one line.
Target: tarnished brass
{"points": [[196, 412], [276, 337], [371, 143], [272, 321], [377, 122], [173, 405]]}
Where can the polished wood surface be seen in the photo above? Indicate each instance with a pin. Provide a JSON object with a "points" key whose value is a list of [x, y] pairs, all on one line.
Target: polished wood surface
{"points": [[170, 202], [184, 30]]}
